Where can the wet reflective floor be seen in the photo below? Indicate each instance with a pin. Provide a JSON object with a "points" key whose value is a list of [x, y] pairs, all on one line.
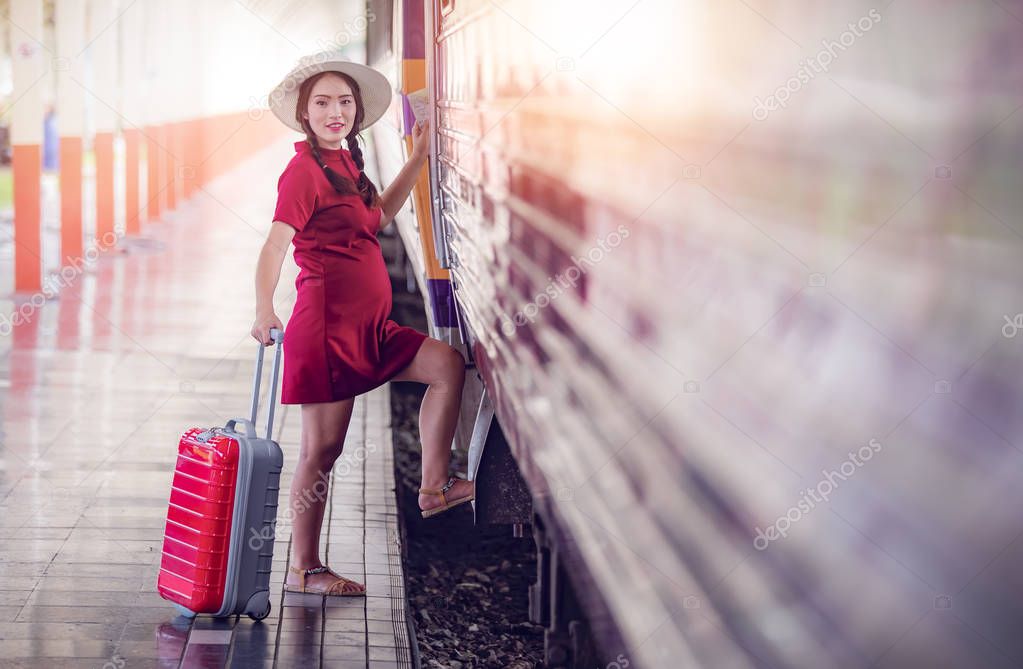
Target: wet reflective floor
{"points": [[97, 383]]}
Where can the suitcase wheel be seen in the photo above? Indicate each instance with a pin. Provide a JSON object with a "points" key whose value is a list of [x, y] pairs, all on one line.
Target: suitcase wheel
{"points": [[260, 616], [188, 613]]}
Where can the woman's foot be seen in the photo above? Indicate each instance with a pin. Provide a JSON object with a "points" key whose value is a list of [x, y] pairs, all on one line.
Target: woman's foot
{"points": [[437, 500], [322, 581]]}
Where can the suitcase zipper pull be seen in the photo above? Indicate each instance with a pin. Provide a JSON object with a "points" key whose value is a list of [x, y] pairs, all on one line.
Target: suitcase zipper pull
{"points": [[206, 435]]}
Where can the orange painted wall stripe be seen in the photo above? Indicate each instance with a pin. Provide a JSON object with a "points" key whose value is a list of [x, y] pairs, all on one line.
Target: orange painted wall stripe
{"points": [[70, 199], [27, 166], [413, 78], [131, 181], [103, 146]]}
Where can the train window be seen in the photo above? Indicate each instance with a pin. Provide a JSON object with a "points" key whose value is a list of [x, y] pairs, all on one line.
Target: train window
{"points": [[379, 30]]}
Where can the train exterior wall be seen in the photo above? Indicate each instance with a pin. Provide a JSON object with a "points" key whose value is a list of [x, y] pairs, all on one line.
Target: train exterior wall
{"points": [[395, 45], [739, 283]]}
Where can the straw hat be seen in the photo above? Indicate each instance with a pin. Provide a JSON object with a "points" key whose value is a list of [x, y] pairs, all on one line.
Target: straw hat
{"points": [[375, 89]]}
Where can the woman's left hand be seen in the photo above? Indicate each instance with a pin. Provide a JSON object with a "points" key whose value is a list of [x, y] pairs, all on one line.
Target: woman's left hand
{"points": [[421, 139]]}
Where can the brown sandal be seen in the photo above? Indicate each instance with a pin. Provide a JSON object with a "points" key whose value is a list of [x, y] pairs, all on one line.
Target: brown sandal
{"points": [[335, 589], [427, 513]]}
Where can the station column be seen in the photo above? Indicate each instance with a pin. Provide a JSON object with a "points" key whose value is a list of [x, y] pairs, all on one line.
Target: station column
{"points": [[70, 32], [131, 25], [153, 110], [30, 60], [103, 48], [169, 70]]}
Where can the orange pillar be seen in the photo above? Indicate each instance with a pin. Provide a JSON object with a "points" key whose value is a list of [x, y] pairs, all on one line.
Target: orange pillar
{"points": [[197, 148], [178, 148], [131, 182], [28, 166], [181, 151], [179, 163], [70, 199], [103, 146], [169, 179], [26, 116], [131, 54], [191, 158], [200, 166], [69, 17], [103, 51], [153, 170], [154, 102]]}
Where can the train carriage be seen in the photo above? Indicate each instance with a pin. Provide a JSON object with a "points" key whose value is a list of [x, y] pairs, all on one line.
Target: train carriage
{"points": [[742, 318]]}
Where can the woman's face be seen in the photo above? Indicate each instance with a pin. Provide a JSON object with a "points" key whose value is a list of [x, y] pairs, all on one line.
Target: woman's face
{"points": [[331, 110]]}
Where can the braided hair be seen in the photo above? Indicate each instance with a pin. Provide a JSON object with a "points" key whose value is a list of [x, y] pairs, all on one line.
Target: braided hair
{"points": [[343, 184]]}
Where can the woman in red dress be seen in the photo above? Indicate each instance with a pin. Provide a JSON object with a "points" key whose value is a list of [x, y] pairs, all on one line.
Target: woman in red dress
{"points": [[339, 342]]}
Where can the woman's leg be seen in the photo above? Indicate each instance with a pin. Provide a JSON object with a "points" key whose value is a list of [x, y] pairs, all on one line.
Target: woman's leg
{"points": [[324, 426], [443, 369]]}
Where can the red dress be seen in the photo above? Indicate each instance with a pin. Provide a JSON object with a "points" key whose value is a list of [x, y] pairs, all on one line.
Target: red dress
{"points": [[339, 342]]}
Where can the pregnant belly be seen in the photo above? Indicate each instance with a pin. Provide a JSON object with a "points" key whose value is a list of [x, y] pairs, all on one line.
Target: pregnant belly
{"points": [[353, 290]]}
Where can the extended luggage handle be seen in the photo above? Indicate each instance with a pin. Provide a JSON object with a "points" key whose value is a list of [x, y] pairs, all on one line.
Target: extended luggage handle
{"points": [[277, 337]]}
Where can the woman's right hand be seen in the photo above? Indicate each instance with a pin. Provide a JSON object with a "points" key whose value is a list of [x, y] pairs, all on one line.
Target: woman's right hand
{"points": [[262, 326]]}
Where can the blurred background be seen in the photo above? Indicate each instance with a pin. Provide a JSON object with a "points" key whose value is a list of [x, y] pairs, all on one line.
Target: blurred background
{"points": [[121, 109]]}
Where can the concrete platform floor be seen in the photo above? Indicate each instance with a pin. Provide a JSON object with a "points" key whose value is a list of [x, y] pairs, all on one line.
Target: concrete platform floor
{"points": [[97, 383]]}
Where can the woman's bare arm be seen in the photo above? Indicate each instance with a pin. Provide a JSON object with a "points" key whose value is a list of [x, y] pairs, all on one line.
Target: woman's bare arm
{"points": [[394, 196], [268, 273]]}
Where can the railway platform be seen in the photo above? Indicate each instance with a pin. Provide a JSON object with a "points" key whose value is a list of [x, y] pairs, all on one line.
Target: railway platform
{"points": [[97, 384]]}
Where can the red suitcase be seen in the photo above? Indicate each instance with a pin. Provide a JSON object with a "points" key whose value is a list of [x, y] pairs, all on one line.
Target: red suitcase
{"points": [[219, 537]]}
